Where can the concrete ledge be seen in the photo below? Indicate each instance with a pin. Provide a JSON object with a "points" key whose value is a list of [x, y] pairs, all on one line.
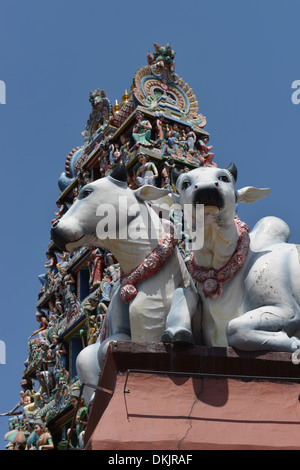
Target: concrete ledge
{"points": [[195, 398]]}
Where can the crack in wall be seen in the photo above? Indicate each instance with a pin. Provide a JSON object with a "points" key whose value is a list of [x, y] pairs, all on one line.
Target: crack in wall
{"points": [[190, 419]]}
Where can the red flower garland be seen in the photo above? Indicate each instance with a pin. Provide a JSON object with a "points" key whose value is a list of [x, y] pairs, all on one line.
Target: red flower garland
{"points": [[154, 261], [213, 279]]}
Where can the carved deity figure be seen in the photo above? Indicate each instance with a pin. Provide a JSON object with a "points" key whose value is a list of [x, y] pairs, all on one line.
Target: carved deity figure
{"points": [[142, 130], [96, 267], [147, 172]]}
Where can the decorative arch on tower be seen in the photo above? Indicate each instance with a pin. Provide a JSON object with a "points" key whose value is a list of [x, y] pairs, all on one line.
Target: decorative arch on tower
{"points": [[156, 85]]}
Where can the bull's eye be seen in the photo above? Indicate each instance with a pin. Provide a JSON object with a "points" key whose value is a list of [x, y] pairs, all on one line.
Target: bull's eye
{"points": [[224, 178], [84, 193], [185, 184]]}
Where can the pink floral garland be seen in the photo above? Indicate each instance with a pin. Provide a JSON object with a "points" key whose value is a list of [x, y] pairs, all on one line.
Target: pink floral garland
{"points": [[213, 279], [157, 258]]}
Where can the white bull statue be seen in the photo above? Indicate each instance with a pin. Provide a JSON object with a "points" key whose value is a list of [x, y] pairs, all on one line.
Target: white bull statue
{"points": [[249, 283], [156, 299]]}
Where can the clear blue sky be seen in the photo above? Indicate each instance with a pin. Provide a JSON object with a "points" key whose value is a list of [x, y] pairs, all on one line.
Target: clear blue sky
{"points": [[240, 58]]}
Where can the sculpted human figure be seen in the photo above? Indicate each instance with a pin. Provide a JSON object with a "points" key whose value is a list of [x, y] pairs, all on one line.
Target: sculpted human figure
{"points": [[41, 317], [80, 419], [142, 130], [204, 152], [161, 129], [51, 264], [24, 401], [191, 139], [96, 267], [124, 149], [45, 441], [173, 135], [147, 172], [116, 154], [62, 209]]}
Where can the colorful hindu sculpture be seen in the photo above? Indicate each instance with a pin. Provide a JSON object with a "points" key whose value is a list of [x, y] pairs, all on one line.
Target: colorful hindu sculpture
{"points": [[96, 266], [44, 441], [62, 209], [142, 130], [150, 145], [81, 415], [147, 172], [153, 129]]}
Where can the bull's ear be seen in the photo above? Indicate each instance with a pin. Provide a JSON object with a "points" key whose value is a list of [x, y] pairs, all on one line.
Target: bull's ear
{"points": [[119, 173], [175, 198], [150, 193], [251, 194], [233, 170]]}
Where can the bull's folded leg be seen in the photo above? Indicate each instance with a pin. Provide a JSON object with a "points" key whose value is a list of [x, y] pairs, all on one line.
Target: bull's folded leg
{"points": [[180, 337], [178, 324], [264, 329]]}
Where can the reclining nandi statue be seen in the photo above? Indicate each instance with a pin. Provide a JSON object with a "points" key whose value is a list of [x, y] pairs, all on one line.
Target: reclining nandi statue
{"points": [[249, 283], [156, 299]]}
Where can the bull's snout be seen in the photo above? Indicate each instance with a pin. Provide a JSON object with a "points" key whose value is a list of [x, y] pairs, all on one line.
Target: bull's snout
{"points": [[58, 237], [67, 232], [208, 195]]}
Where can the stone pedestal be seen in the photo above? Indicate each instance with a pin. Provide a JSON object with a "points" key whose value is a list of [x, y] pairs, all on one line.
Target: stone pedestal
{"points": [[195, 399]]}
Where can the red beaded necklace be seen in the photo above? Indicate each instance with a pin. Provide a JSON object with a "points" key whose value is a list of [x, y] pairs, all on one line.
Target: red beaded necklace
{"points": [[154, 261], [213, 279]]}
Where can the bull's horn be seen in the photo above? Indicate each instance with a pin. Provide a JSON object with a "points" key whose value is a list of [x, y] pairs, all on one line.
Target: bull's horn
{"points": [[175, 174], [119, 173], [233, 170]]}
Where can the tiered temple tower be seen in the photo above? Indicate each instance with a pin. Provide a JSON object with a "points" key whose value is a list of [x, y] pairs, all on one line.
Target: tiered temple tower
{"points": [[149, 396], [154, 128]]}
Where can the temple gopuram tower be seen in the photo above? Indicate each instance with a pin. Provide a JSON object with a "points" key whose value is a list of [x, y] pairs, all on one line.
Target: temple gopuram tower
{"points": [[148, 396]]}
